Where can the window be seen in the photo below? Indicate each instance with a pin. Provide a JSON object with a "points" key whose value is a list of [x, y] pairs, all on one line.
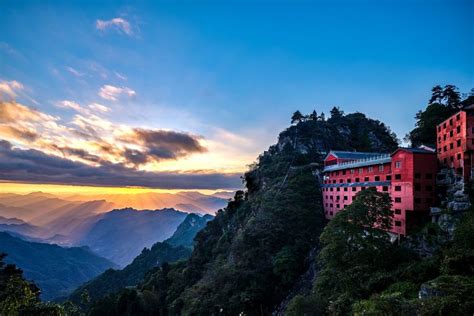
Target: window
{"points": [[452, 158], [429, 176], [444, 125], [398, 211], [417, 187], [330, 205], [472, 141], [458, 117], [361, 170], [334, 181], [338, 205], [385, 188], [362, 188], [398, 188], [354, 189], [472, 130], [345, 189], [388, 178], [330, 213], [377, 178], [444, 137], [459, 157], [429, 188], [357, 180], [345, 198], [451, 146], [348, 180], [398, 177], [439, 139], [458, 143], [417, 175], [451, 122], [338, 189], [381, 168], [337, 173], [330, 189], [451, 133], [398, 223], [458, 129], [340, 180], [445, 148], [331, 197], [370, 169], [398, 200], [429, 200], [398, 164], [366, 179], [327, 205], [439, 128], [343, 172], [417, 200]]}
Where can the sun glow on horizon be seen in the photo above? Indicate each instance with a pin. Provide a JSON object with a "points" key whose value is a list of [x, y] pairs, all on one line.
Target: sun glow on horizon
{"points": [[26, 188]]}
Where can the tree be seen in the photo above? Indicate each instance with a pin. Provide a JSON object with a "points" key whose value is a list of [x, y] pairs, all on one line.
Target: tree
{"points": [[436, 95], [451, 96], [297, 117], [313, 116], [355, 251], [322, 118], [336, 113]]}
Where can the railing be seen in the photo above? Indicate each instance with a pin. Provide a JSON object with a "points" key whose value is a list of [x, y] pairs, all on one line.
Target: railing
{"points": [[355, 163]]}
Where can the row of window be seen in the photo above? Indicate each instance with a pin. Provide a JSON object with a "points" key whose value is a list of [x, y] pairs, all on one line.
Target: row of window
{"points": [[354, 189], [451, 134], [417, 200], [398, 176], [458, 157], [359, 170], [451, 123]]}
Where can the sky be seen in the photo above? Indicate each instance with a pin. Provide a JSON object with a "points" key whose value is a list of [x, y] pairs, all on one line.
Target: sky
{"points": [[186, 94]]}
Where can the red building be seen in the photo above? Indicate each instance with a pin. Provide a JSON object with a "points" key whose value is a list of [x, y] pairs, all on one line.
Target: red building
{"points": [[455, 143], [408, 175]]}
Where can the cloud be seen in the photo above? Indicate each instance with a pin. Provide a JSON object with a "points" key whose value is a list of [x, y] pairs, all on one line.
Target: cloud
{"points": [[98, 107], [112, 93], [33, 166], [162, 144], [10, 88], [119, 24], [66, 104], [74, 72]]}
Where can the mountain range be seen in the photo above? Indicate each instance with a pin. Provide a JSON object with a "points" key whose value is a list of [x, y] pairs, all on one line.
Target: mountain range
{"points": [[57, 270]]}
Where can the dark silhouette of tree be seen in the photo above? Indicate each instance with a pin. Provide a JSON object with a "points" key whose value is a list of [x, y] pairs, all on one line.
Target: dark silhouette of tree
{"points": [[297, 117], [313, 116], [452, 96], [322, 117], [436, 95], [336, 113]]}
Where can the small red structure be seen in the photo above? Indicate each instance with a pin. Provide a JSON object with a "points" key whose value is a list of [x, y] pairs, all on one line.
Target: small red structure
{"points": [[408, 175], [455, 143]]}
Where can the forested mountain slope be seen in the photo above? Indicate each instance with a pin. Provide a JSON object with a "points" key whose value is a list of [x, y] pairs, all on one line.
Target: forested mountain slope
{"points": [[247, 258]]}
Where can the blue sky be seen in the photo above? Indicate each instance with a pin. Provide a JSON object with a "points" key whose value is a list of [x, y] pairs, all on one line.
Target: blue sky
{"points": [[233, 72]]}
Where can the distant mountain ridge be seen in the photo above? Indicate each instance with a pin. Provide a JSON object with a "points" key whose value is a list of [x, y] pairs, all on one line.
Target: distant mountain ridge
{"points": [[56, 270], [120, 235]]}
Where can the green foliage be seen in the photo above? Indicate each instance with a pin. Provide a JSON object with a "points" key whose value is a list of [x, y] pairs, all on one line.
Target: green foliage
{"points": [[356, 251], [20, 297]]}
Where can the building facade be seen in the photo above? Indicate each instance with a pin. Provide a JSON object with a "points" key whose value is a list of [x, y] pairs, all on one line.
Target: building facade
{"points": [[455, 143], [407, 175]]}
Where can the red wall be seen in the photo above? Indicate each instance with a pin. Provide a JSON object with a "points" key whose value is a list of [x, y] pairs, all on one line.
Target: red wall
{"points": [[412, 177]]}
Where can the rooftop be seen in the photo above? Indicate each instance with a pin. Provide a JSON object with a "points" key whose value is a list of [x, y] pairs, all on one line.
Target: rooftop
{"points": [[352, 154], [368, 161]]}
